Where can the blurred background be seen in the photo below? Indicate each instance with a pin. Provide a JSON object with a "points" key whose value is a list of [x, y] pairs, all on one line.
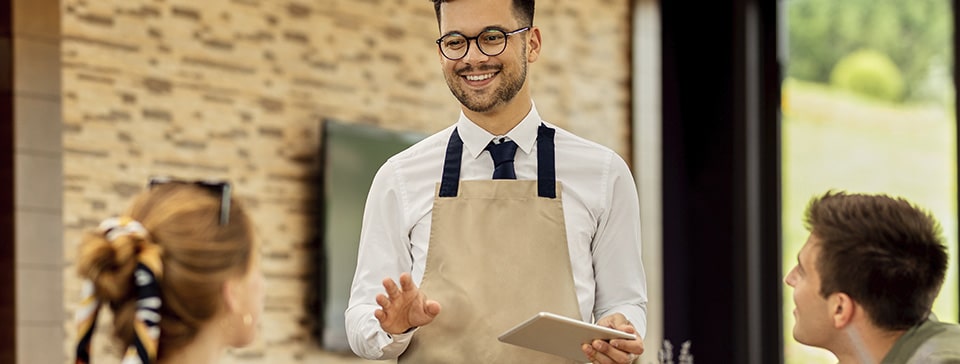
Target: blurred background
{"points": [[869, 104], [732, 115]]}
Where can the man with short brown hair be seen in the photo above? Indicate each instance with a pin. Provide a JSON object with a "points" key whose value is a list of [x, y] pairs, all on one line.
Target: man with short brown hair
{"points": [[865, 282]]}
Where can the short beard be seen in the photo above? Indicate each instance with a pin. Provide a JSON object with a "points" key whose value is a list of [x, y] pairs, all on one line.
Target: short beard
{"points": [[502, 94]]}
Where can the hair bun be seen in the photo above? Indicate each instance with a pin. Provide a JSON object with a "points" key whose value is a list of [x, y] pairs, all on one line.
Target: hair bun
{"points": [[108, 257]]}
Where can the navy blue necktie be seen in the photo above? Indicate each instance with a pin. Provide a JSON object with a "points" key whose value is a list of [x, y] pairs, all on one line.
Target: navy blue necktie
{"points": [[502, 154]]}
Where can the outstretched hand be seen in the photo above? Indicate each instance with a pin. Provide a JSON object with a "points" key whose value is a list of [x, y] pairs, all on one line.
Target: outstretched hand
{"points": [[619, 351], [404, 307]]}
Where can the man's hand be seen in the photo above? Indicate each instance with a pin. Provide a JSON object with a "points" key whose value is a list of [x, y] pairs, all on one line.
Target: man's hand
{"points": [[618, 351], [404, 307]]}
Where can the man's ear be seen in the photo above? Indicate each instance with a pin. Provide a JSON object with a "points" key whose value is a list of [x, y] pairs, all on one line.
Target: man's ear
{"points": [[533, 45], [841, 308]]}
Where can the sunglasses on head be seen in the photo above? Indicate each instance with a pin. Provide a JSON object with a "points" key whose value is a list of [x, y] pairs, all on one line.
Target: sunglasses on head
{"points": [[216, 186]]}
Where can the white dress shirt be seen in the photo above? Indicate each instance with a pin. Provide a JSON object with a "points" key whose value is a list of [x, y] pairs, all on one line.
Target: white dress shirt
{"points": [[600, 207]]}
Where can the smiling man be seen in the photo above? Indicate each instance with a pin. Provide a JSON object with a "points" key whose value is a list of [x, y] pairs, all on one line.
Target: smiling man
{"points": [[865, 282], [498, 217]]}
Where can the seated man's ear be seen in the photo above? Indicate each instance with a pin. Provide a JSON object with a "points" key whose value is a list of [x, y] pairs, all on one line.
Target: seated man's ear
{"points": [[842, 309]]}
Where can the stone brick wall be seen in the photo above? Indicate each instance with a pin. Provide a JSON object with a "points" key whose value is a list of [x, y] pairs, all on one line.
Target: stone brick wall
{"points": [[236, 89]]}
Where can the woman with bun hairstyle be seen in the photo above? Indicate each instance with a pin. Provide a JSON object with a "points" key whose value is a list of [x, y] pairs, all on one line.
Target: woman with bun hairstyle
{"points": [[180, 270]]}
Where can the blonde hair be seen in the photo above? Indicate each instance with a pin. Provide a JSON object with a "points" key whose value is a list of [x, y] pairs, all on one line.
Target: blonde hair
{"points": [[197, 256]]}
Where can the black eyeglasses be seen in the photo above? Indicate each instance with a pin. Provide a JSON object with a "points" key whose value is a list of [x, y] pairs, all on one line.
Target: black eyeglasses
{"points": [[490, 41], [221, 187]]}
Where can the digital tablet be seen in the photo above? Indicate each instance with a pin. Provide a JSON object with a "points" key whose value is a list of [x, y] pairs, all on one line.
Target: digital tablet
{"points": [[558, 335]]}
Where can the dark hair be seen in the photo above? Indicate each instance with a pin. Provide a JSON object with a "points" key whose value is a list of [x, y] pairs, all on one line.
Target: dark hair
{"points": [[197, 254], [523, 9], [885, 253]]}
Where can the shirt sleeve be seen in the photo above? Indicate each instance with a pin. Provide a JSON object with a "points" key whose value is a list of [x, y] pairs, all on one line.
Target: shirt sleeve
{"points": [[384, 252], [617, 264]]}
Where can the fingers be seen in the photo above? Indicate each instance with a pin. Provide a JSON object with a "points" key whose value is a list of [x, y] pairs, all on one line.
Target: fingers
{"points": [[406, 282], [406, 285], [630, 346], [604, 353], [431, 308], [619, 322], [391, 288], [626, 327], [596, 357], [383, 301], [588, 351], [616, 321], [404, 306]]}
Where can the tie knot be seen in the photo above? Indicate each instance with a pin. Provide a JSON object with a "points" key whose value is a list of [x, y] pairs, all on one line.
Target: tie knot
{"points": [[502, 151], [502, 154]]}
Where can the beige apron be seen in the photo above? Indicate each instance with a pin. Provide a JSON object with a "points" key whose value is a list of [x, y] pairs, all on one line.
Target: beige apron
{"points": [[497, 256]]}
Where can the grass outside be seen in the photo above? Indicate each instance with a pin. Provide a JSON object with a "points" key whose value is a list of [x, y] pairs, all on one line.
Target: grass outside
{"points": [[836, 140]]}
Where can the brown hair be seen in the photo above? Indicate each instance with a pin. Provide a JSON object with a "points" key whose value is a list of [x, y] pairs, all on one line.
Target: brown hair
{"points": [[198, 255], [885, 253], [523, 9]]}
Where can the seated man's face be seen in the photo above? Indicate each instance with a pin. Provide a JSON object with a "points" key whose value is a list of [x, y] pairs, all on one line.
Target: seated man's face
{"points": [[814, 322]]}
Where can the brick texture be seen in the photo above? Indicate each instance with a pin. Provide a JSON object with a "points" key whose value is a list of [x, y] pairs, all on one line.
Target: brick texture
{"points": [[237, 89]]}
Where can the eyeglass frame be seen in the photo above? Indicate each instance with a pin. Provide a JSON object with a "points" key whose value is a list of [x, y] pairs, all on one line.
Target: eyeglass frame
{"points": [[223, 187], [476, 39]]}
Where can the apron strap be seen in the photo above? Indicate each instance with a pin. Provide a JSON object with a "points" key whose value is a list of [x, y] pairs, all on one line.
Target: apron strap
{"points": [[546, 168], [450, 182]]}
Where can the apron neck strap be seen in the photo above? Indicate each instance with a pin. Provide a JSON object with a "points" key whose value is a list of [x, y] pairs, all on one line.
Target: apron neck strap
{"points": [[450, 182], [546, 167]]}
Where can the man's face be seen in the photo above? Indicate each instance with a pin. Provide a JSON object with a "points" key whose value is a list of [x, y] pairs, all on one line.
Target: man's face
{"points": [[814, 323], [483, 83]]}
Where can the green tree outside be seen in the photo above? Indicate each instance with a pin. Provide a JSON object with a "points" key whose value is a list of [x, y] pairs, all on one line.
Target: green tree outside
{"points": [[912, 33]]}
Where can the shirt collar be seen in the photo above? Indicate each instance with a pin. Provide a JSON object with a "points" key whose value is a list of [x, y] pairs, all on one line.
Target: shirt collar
{"points": [[475, 138]]}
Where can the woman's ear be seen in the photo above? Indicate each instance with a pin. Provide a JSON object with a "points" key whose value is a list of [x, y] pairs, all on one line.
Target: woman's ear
{"points": [[842, 309], [231, 295]]}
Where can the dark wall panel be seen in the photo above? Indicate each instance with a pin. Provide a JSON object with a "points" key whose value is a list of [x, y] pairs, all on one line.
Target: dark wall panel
{"points": [[698, 150], [721, 179], [7, 241]]}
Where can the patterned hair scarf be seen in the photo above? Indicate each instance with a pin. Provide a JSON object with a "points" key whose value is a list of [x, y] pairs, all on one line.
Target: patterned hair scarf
{"points": [[143, 349]]}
